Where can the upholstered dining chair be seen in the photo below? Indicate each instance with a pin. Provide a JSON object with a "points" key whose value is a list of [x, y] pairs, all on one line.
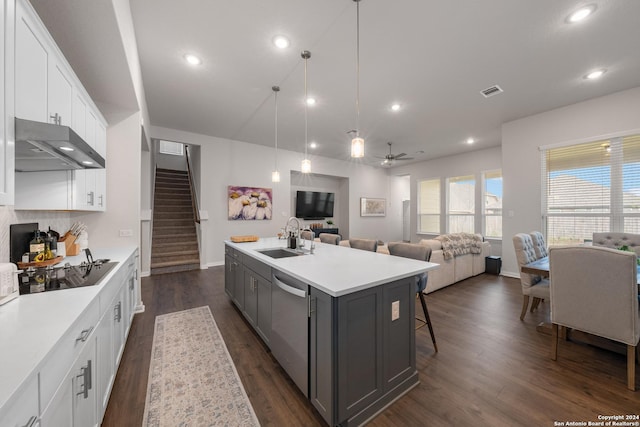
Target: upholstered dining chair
{"points": [[532, 285], [594, 290], [307, 235], [422, 253], [330, 238], [539, 245], [364, 244]]}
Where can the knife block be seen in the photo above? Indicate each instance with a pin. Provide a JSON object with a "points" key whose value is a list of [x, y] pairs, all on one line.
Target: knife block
{"points": [[70, 245]]}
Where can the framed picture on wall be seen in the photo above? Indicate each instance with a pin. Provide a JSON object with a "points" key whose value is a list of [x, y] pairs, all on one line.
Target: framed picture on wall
{"points": [[373, 207], [249, 203]]}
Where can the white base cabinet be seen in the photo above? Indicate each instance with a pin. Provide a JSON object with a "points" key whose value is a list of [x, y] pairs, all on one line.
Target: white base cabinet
{"points": [[25, 411], [72, 385]]}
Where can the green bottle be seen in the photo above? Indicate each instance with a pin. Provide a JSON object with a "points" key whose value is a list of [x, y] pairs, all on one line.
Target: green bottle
{"points": [[36, 246]]}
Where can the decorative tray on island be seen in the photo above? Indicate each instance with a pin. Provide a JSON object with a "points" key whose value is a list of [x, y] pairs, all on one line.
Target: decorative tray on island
{"points": [[45, 263], [242, 239]]}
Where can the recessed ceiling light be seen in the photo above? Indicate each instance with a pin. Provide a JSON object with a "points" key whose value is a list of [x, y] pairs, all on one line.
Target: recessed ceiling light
{"points": [[192, 59], [395, 107], [311, 101], [595, 74], [470, 141], [87, 162], [66, 148], [313, 144], [281, 42], [581, 14]]}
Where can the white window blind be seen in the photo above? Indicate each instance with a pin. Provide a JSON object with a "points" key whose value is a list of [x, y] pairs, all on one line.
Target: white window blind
{"points": [[429, 206], [591, 187], [461, 207], [171, 148], [492, 209]]}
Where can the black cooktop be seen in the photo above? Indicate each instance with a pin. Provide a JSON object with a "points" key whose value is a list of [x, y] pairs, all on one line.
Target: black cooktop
{"points": [[43, 279]]}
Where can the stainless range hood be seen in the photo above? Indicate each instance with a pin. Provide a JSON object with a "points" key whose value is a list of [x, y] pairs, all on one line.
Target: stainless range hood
{"points": [[48, 147]]}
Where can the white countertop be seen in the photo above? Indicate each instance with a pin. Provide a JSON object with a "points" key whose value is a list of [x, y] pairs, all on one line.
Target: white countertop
{"points": [[336, 270], [32, 324]]}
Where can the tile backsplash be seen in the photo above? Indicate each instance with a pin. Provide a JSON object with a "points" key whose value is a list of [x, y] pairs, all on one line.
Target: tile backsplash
{"points": [[59, 221]]}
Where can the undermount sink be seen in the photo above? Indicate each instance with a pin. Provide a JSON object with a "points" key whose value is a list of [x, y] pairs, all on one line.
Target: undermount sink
{"points": [[279, 252]]}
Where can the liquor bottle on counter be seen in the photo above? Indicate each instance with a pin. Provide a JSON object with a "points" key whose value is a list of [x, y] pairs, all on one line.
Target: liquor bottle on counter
{"points": [[36, 246]]}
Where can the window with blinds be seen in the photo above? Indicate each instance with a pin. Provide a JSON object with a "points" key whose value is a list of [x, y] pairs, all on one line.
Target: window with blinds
{"points": [[429, 206], [461, 204], [492, 209], [591, 187], [171, 148]]}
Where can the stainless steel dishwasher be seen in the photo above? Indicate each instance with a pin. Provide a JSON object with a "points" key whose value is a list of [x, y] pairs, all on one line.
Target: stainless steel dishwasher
{"points": [[290, 327]]}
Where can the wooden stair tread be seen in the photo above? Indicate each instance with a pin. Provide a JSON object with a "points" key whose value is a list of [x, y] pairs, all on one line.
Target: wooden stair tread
{"points": [[175, 262]]}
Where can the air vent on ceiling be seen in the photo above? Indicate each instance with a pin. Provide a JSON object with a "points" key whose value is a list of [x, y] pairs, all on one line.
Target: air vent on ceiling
{"points": [[490, 91]]}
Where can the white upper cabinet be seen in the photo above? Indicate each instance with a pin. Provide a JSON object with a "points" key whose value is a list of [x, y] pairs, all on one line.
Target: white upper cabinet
{"points": [[32, 69], [6, 133], [47, 90], [60, 95], [79, 114]]}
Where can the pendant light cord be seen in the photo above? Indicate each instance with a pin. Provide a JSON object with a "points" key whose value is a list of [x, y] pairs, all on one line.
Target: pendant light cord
{"points": [[306, 104], [357, 68], [275, 91]]}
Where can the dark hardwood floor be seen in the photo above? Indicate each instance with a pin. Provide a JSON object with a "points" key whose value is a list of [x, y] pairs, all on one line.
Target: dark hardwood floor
{"points": [[491, 370]]}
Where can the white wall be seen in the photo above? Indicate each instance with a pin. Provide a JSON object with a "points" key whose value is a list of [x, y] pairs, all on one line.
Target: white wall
{"points": [[169, 161], [122, 10], [474, 162], [237, 163], [399, 190], [521, 139], [123, 188]]}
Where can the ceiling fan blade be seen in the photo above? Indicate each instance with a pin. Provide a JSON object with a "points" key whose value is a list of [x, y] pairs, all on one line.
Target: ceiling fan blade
{"points": [[404, 158], [397, 156]]}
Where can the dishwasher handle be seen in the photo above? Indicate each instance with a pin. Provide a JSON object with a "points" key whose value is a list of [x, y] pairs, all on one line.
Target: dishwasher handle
{"points": [[289, 289]]}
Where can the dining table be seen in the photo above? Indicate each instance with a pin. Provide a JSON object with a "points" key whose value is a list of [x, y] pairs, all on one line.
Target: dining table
{"points": [[540, 267]]}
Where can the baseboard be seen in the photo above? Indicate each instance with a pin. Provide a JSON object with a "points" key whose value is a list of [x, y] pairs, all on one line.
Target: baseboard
{"points": [[215, 264], [145, 273]]}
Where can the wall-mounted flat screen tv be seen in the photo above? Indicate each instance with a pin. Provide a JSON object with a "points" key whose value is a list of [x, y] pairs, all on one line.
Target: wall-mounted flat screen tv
{"points": [[314, 204]]}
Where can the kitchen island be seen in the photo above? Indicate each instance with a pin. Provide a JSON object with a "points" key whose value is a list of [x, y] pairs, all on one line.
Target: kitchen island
{"points": [[340, 321]]}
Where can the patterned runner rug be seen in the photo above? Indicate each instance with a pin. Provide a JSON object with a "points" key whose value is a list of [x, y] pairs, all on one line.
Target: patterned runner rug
{"points": [[192, 379]]}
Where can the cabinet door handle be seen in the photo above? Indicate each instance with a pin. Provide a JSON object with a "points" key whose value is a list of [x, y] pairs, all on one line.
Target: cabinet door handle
{"points": [[57, 119], [32, 421], [84, 334], [86, 380], [89, 199], [311, 309], [100, 197], [118, 312]]}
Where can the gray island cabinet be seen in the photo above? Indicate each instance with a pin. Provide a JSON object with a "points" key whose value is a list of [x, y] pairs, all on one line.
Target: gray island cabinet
{"points": [[356, 311]]}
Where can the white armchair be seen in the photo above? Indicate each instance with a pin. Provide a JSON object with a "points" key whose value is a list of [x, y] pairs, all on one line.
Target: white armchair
{"points": [[594, 289]]}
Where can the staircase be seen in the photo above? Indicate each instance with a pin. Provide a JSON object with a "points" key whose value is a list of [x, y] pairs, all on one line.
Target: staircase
{"points": [[175, 244]]}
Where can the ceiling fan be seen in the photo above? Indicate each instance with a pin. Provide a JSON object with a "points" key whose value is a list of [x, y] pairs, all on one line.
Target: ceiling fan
{"points": [[390, 158]]}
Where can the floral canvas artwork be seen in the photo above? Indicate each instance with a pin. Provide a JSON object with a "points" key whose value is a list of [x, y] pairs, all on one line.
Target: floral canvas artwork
{"points": [[249, 203]]}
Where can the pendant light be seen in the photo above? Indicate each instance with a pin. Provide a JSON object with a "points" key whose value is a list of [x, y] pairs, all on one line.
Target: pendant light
{"points": [[275, 175], [357, 143], [305, 167]]}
